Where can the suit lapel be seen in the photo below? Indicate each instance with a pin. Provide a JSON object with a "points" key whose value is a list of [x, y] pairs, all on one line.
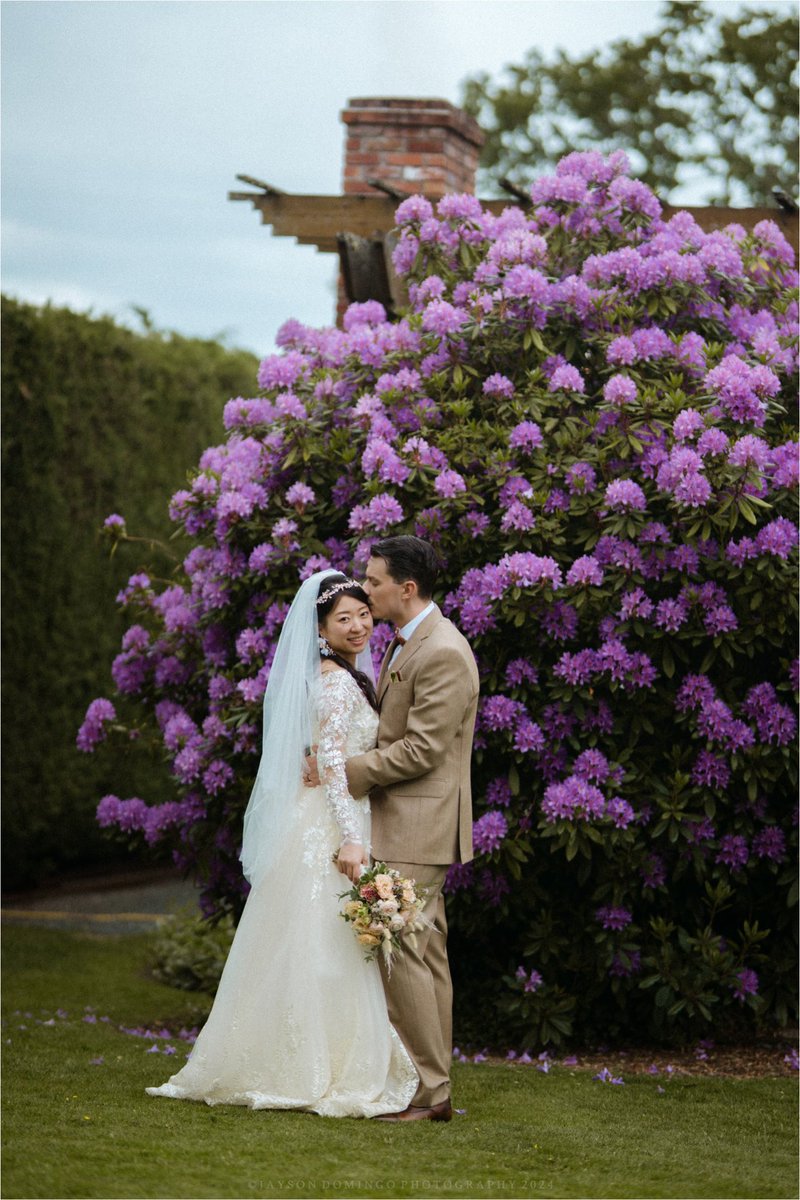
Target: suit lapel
{"points": [[408, 651]]}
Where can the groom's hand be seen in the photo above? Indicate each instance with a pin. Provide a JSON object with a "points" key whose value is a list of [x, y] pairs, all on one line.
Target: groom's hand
{"points": [[311, 777], [350, 859]]}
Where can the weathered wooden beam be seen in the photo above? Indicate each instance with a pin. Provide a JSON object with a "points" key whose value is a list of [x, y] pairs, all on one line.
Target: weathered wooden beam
{"points": [[318, 220]]}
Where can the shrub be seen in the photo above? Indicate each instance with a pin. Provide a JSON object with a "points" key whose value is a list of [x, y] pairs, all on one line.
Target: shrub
{"points": [[585, 409], [94, 416], [189, 952]]}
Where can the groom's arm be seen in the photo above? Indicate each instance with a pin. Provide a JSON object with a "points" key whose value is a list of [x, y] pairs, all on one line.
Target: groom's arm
{"points": [[443, 692]]}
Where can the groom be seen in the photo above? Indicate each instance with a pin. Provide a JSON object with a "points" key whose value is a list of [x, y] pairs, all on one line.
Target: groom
{"points": [[418, 779]]}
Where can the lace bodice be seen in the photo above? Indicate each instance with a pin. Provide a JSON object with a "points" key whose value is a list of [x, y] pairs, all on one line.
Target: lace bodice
{"points": [[347, 726]]}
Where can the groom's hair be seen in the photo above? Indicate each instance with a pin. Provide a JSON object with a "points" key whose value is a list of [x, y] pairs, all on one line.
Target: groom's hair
{"points": [[409, 557]]}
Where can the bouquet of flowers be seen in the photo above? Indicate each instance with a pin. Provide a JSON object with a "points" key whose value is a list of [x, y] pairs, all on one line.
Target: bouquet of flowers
{"points": [[382, 906]]}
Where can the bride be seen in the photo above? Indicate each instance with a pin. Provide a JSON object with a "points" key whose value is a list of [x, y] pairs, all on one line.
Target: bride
{"points": [[299, 1020]]}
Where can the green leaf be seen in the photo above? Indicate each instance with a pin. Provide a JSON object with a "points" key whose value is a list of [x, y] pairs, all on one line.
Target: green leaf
{"points": [[746, 510], [668, 662]]}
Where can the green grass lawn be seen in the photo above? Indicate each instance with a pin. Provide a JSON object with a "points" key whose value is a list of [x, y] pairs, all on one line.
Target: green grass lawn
{"points": [[74, 1127]]}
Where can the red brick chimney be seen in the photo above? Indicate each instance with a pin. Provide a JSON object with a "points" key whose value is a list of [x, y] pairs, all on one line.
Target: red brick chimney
{"points": [[427, 146]]}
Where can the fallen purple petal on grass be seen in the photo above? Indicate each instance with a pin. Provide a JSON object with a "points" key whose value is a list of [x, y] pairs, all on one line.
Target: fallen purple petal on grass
{"points": [[97, 1062], [61, 1013], [153, 1050], [570, 1061], [605, 1076], [791, 1059], [653, 1069], [52, 1021], [661, 1091], [544, 1067], [170, 1050], [462, 1112], [512, 1054], [90, 1019], [150, 1034], [525, 1058]]}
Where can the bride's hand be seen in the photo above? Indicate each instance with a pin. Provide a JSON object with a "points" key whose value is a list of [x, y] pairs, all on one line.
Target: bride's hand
{"points": [[350, 859], [311, 777]]}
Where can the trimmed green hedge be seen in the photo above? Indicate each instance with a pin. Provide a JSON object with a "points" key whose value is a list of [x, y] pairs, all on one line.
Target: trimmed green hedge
{"points": [[96, 419]]}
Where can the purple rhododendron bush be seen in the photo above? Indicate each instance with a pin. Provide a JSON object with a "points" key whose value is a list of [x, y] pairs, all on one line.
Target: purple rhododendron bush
{"points": [[591, 413]]}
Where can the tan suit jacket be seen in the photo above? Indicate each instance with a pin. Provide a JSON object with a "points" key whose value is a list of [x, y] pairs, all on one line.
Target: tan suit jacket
{"points": [[418, 777]]}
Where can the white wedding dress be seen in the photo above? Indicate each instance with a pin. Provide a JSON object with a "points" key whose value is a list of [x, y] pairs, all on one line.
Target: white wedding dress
{"points": [[299, 1020]]}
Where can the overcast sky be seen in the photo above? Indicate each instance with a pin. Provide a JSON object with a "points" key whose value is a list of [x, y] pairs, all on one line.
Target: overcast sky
{"points": [[125, 124]]}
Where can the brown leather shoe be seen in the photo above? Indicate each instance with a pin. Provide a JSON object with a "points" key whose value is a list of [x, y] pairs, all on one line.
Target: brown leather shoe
{"points": [[437, 1112]]}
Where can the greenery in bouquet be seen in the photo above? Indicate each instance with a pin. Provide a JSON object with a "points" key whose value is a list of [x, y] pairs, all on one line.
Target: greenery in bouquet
{"points": [[383, 907], [591, 414]]}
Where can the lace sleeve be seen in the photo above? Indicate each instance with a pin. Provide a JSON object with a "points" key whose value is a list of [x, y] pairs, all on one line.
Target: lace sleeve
{"points": [[339, 698]]}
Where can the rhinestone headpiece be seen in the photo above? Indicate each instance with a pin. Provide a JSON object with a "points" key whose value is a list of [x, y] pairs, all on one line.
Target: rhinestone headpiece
{"points": [[337, 587]]}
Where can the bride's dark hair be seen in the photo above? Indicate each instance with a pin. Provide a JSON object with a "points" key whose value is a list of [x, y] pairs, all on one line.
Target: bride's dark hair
{"points": [[325, 607]]}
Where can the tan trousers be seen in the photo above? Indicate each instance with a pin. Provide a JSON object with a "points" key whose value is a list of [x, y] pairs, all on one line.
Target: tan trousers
{"points": [[419, 993]]}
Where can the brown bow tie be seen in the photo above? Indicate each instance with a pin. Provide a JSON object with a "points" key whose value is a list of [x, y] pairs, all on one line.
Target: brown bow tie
{"points": [[399, 640]]}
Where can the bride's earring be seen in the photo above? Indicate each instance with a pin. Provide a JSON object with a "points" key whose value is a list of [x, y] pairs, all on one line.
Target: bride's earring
{"points": [[324, 648]]}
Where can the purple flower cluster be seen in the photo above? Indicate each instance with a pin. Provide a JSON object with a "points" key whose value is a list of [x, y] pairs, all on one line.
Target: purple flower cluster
{"points": [[746, 984], [134, 816], [625, 495], [488, 831], [613, 918], [94, 728], [531, 980], [576, 799]]}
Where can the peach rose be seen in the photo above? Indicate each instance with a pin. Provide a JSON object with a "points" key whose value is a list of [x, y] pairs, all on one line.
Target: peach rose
{"points": [[383, 886]]}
